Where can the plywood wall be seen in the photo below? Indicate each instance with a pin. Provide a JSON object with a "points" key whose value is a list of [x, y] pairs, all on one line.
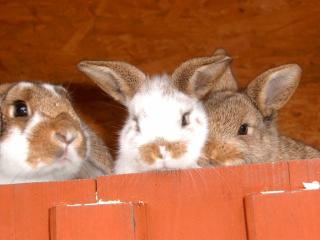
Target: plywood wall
{"points": [[43, 40]]}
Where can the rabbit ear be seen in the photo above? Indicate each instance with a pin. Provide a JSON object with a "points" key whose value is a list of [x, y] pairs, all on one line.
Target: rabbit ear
{"points": [[120, 80], [220, 51], [4, 88], [199, 76], [62, 91], [273, 88]]}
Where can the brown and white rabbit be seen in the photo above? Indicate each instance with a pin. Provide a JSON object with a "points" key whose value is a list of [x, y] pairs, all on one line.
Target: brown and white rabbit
{"points": [[43, 139], [167, 124], [242, 124]]}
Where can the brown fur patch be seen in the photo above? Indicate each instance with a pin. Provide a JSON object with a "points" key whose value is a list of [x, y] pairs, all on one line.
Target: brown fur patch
{"points": [[151, 151], [220, 153], [45, 146], [176, 149]]}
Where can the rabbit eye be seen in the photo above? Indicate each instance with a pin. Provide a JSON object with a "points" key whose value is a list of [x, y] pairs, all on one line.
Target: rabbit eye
{"points": [[135, 119], [185, 119], [243, 130], [20, 109]]}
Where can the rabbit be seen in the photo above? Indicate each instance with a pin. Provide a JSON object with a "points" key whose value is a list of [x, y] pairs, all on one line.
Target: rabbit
{"points": [[167, 125], [242, 124], [43, 139]]}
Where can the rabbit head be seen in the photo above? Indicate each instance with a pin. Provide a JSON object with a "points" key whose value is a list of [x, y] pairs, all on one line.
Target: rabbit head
{"points": [[167, 124], [41, 136], [242, 124]]}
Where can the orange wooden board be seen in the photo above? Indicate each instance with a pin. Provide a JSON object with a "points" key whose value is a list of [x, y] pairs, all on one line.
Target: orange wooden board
{"points": [[24, 208], [7, 226], [303, 171], [284, 216], [195, 204], [116, 221]]}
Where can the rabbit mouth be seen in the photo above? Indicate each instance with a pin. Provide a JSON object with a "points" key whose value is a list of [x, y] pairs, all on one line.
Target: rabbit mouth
{"points": [[63, 159], [65, 156], [165, 166]]}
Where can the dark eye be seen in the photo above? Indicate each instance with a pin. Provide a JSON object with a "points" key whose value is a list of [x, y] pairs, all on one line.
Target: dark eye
{"points": [[185, 119], [243, 129], [20, 109], [135, 119]]}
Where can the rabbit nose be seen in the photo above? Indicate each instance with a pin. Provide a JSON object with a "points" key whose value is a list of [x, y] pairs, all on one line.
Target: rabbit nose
{"points": [[66, 137], [162, 151]]}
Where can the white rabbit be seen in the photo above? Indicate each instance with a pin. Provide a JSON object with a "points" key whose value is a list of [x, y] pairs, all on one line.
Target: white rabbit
{"points": [[167, 124], [43, 139]]}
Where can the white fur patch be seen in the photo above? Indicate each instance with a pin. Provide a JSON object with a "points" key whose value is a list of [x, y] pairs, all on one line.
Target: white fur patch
{"points": [[250, 130], [25, 85], [234, 162], [32, 123], [87, 136], [14, 152], [50, 88]]}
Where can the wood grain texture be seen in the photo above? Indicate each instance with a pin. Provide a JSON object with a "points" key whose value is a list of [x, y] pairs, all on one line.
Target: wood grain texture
{"points": [[24, 208], [192, 204], [44, 40], [290, 215], [116, 221]]}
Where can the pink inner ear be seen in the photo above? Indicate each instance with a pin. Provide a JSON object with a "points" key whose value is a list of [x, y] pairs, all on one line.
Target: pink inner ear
{"points": [[276, 86], [273, 89], [202, 81], [278, 90]]}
